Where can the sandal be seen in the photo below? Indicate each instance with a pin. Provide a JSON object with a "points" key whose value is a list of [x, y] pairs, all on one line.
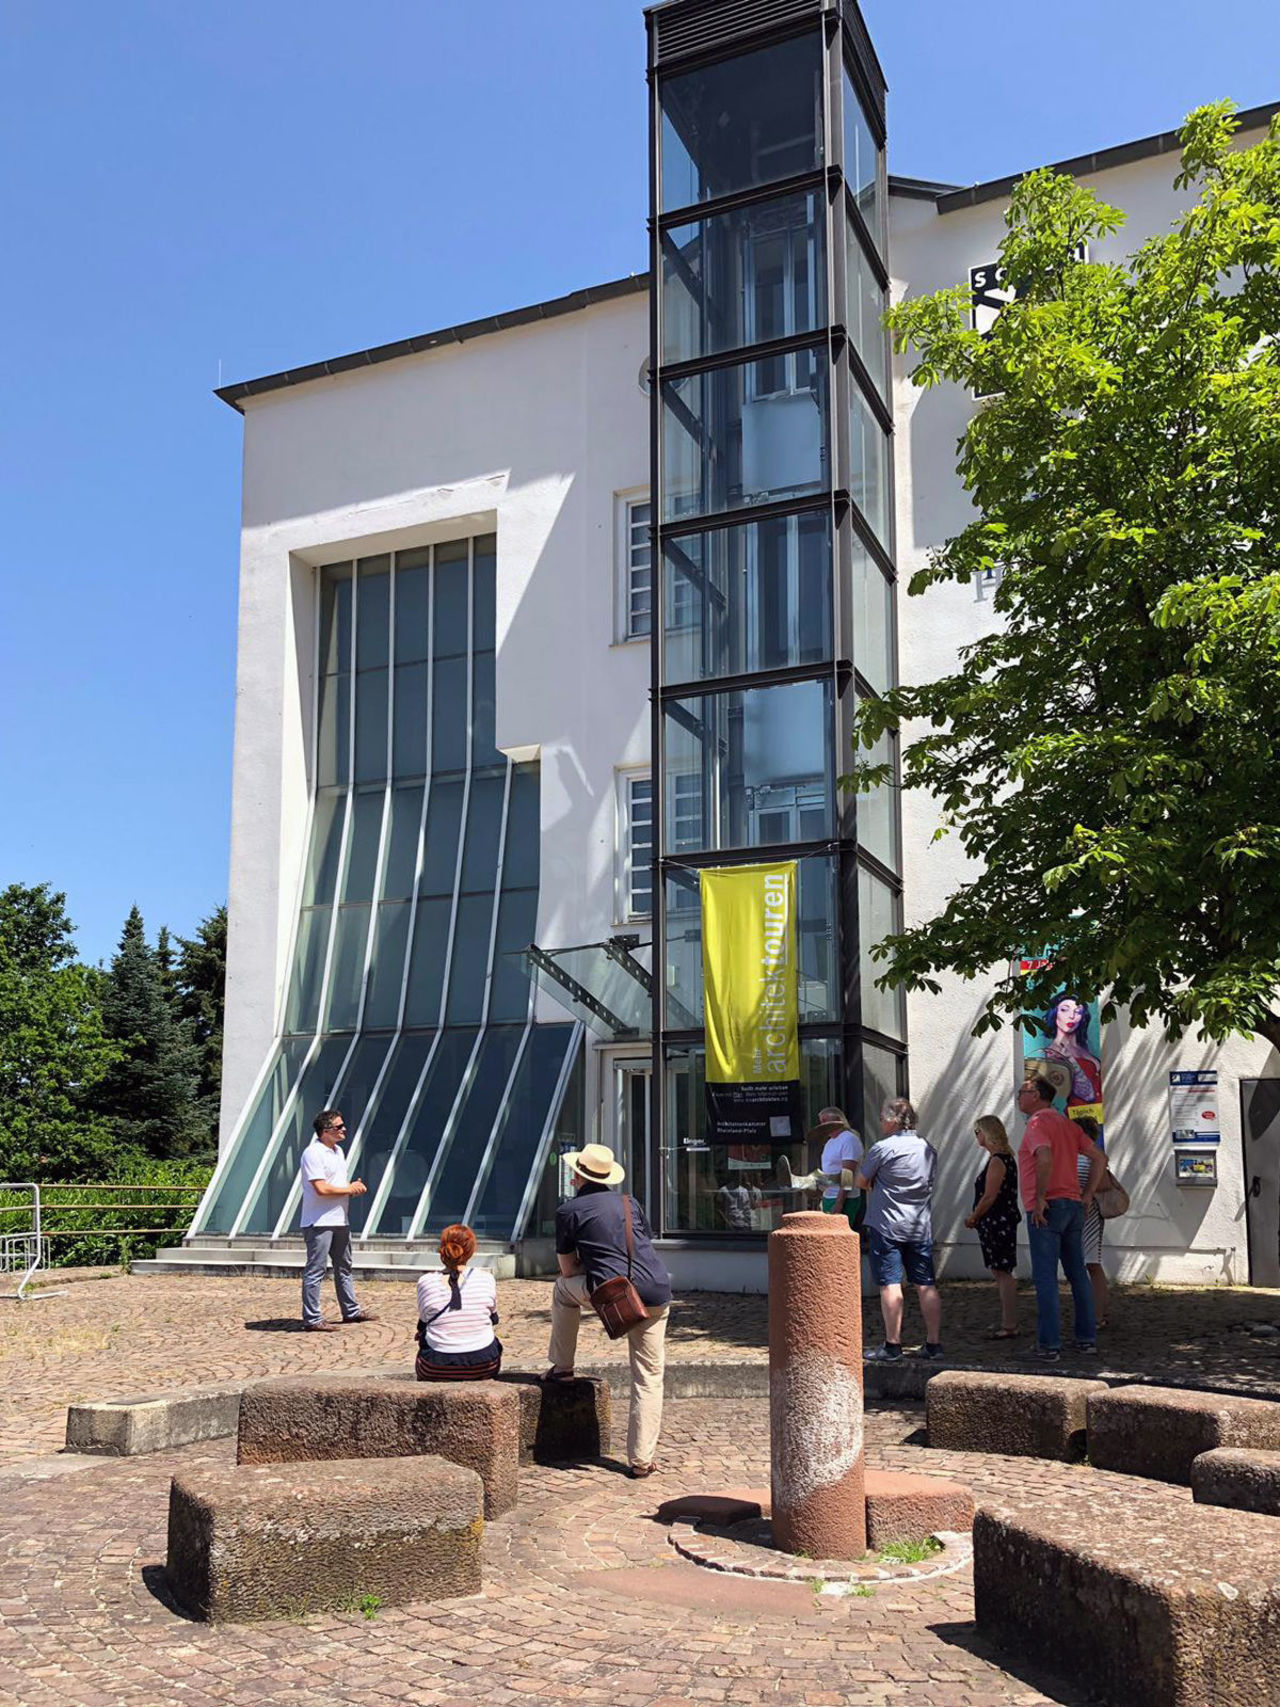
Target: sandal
{"points": [[1005, 1334], [556, 1375]]}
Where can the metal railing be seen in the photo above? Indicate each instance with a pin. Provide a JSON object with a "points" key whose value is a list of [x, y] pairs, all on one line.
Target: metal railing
{"points": [[29, 1250]]}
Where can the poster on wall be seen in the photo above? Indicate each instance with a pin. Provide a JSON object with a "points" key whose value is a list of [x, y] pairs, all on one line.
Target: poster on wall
{"points": [[1193, 1105], [749, 972], [1063, 1043]]}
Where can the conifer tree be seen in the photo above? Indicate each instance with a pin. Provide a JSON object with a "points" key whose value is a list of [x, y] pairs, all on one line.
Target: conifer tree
{"points": [[200, 977], [149, 1095]]}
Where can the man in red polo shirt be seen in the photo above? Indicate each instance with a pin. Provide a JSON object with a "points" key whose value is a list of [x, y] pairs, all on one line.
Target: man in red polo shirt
{"points": [[1049, 1184]]}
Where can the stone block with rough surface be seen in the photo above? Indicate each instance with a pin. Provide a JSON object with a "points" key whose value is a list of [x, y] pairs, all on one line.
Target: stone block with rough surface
{"points": [[1158, 1604], [1235, 1476], [282, 1540], [903, 1507], [1025, 1416], [473, 1423], [1159, 1431], [563, 1422], [153, 1422]]}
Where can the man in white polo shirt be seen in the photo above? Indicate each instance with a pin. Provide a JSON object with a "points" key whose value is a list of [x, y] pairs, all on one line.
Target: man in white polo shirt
{"points": [[326, 1195]]}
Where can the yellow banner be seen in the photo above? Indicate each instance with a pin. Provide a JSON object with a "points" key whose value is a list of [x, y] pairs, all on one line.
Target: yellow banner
{"points": [[749, 968]]}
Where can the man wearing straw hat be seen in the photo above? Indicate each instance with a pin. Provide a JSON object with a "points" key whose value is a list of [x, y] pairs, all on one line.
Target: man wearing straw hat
{"points": [[591, 1243]]}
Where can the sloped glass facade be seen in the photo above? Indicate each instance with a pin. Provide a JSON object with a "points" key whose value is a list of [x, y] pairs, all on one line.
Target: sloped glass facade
{"points": [[407, 1003]]}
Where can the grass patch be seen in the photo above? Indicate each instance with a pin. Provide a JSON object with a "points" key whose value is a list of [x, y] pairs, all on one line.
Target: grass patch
{"points": [[909, 1552], [864, 1591]]}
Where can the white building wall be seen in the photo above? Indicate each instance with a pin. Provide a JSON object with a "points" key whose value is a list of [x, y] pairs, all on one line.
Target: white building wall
{"points": [[533, 433], [1172, 1232], [529, 432]]}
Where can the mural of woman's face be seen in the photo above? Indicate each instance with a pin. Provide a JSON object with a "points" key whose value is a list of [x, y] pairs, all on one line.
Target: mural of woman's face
{"points": [[1069, 1015]]}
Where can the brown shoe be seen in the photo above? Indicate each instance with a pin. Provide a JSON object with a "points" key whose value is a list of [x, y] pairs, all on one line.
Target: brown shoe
{"points": [[321, 1327], [361, 1316], [638, 1472]]}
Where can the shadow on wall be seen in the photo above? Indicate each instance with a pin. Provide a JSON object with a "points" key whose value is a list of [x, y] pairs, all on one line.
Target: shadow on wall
{"points": [[939, 505], [1165, 1219]]}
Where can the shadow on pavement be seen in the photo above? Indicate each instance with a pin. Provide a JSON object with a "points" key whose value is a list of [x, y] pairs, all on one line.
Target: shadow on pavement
{"points": [[1051, 1685], [156, 1583]]}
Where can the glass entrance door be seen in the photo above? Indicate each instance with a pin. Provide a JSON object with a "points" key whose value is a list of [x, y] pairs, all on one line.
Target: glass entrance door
{"points": [[629, 1115]]}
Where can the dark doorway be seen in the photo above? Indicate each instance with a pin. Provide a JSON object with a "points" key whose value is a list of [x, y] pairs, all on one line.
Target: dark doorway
{"points": [[1260, 1126]]}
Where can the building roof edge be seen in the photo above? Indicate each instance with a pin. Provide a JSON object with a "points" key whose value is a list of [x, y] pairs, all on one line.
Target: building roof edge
{"points": [[1081, 164], [244, 390]]}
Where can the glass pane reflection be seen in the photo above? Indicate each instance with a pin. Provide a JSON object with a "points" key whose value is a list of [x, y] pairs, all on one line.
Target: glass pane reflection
{"points": [[749, 434], [862, 164], [864, 312], [733, 1188], [744, 121], [879, 916], [749, 768], [744, 277], [869, 465], [756, 597]]}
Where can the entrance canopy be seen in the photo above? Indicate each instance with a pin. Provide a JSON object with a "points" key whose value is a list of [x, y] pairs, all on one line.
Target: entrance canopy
{"points": [[607, 985]]}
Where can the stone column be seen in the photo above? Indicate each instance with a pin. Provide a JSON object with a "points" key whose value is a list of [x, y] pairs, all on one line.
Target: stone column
{"points": [[815, 1386]]}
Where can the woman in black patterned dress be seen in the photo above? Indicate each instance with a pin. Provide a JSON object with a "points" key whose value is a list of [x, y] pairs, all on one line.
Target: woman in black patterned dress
{"points": [[996, 1214]]}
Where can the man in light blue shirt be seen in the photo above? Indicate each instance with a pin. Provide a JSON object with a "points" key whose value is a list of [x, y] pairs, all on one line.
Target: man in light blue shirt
{"points": [[899, 1171]]}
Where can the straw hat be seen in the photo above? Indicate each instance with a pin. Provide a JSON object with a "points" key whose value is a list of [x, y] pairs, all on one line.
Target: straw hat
{"points": [[596, 1164]]}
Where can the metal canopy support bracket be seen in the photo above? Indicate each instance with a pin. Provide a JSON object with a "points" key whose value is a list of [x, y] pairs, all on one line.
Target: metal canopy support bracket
{"points": [[543, 961]]}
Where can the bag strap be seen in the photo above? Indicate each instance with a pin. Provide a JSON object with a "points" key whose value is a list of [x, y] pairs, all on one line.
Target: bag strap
{"points": [[448, 1303], [631, 1249]]}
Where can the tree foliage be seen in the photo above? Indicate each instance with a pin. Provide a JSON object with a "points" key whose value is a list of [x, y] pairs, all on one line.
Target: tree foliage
{"points": [[54, 1049], [200, 977], [1109, 752], [149, 1094]]}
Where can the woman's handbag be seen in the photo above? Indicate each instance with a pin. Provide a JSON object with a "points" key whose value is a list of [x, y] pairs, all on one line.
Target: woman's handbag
{"points": [[616, 1302], [1111, 1197]]}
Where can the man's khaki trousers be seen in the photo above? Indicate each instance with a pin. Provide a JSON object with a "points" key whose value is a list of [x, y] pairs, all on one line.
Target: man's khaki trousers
{"points": [[647, 1345]]}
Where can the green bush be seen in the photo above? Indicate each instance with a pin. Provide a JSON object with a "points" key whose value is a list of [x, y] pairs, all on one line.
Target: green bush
{"points": [[106, 1238]]}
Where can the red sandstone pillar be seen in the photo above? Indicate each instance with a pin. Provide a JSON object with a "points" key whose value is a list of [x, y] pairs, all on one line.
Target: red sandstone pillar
{"points": [[815, 1387]]}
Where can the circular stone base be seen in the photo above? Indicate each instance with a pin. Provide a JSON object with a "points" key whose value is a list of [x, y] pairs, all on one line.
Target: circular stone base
{"points": [[747, 1549]]}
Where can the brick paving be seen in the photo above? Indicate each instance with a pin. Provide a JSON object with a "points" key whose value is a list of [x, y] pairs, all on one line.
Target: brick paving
{"points": [[585, 1600], [108, 1337]]}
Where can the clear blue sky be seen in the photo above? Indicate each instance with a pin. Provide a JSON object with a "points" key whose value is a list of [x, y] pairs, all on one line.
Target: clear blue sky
{"points": [[244, 185]]}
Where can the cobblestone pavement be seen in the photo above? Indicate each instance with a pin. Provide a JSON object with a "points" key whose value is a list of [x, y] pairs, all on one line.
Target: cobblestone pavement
{"points": [[584, 1599], [119, 1335]]}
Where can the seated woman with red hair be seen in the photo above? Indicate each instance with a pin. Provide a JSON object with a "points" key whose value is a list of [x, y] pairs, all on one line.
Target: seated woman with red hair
{"points": [[457, 1313]]}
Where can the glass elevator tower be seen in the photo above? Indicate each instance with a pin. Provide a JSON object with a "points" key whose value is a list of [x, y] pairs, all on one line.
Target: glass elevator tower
{"points": [[772, 476]]}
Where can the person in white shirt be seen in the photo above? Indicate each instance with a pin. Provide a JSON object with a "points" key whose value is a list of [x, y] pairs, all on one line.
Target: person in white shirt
{"points": [[457, 1313], [841, 1153], [326, 1196]]}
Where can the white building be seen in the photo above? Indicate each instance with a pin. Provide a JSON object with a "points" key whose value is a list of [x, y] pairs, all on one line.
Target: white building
{"points": [[458, 528]]}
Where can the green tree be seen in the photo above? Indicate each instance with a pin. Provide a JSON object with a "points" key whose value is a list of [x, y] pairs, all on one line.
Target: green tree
{"points": [[200, 978], [149, 1095], [1110, 751], [54, 1049]]}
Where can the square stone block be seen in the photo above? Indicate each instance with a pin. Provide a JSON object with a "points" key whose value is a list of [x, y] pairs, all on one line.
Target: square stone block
{"points": [[1151, 1603], [1159, 1431], [1025, 1416], [279, 1541], [472, 1423], [902, 1507], [1234, 1476], [563, 1422]]}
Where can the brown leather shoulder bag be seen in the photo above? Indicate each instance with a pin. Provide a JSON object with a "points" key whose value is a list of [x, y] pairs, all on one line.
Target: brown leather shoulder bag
{"points": [[616, 1302]]}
